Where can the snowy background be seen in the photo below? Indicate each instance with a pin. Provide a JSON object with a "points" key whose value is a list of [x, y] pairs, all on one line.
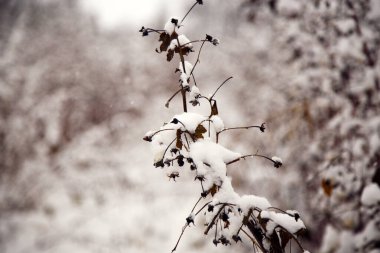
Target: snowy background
{"points": [[79, 88]]}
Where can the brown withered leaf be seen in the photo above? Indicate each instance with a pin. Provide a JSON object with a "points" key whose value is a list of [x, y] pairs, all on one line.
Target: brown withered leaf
{"points": [[214, 189], [214, 109], [183, 50], [226, 224], [285, 237], [166, 39], [275, 244], [169, 55], [179, 143], [327, 186], [199, 131], [263, 222]]}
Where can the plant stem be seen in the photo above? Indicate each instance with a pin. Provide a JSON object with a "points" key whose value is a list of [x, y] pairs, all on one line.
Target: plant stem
{"points": [[180, 23], [180, 236], [183, 92], [170, 99], [220, 87]]}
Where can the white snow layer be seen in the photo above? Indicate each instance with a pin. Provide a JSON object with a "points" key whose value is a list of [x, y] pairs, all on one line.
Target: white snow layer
{"points": [[284, 220], [191, 120], [194, 92], [247, 202], [218, 123], [277, 159], [183, 40], [170, 26], [188, 67], [185, 75], [213, 154], [371, 195]]}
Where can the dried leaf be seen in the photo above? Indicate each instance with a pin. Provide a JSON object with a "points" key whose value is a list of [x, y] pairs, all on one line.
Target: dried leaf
{"points": [[166, 40], [199, 131], [214, 189], [185, 50], [226, 224], [169, 55], [285, 237], [214, 109], [179, 143], [256, 231], [327, 186], [275, 244]]}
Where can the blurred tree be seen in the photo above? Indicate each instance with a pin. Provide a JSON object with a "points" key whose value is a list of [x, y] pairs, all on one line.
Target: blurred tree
{"points": [[332, 104]]}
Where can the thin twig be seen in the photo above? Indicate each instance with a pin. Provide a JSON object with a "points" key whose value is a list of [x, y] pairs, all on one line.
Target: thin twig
{"points": [[254, 242], [161, 131], [193, 41], [180, 23], [187, 141], [203, 189], [202, 208], [209, 128], [170, 99], [196, 204], [180, 236], [225, 203], [233, 128], [195, 83], [213, 220], [216, 232], [219, 87], [153, 30], [163, 156], [183, 92], [294, 238], [278, 209], [245, 156], [199, 53]]}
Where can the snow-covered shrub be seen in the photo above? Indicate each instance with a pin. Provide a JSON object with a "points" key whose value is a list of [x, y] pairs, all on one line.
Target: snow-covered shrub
{"points": [[335, 53], [190, 139]]}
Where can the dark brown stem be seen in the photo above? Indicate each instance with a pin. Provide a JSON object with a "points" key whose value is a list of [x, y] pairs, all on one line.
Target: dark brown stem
{"points": [[202, 208], [203, 189], [193, 41], [163, 156], [154, 30], [209, 101], [182, 125], [254, 242], [199, 53], [293, 237], [187, 141], [219, 87], [183, 92], [180, 236], [170, 99], [195, 83], [209, 130], [233, 128], [160, 131], [213, 220], [278, 209], [180, 23], [196, 204], [245, 156]]}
